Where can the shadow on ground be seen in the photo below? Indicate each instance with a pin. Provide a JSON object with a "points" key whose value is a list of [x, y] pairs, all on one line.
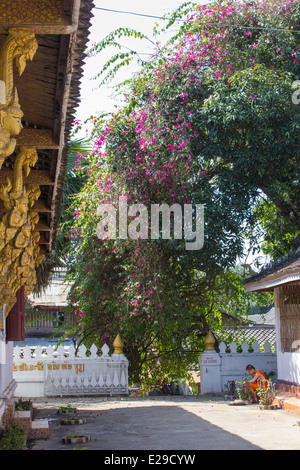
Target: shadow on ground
{"points": [[159, 427]]}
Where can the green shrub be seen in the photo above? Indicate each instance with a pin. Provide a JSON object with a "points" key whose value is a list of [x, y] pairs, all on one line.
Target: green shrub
{"points": [[23, 405], [12, 437]]}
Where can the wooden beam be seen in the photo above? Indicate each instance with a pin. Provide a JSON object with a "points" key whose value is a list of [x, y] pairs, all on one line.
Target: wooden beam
{"points": [[42, 227], [41, 207], [43, 16], [40, 177], [43, 241], [38, 138], [40, 29]]}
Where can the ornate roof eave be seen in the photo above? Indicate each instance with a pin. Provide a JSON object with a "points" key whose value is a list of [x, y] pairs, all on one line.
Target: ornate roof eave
{"points": [[70, 103], [280, 272], [265, 285], [46, 40]]}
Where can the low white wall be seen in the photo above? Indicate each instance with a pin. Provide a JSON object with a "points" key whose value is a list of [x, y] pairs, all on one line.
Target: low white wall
{"points": [[217, 369], [7, 382], [289, 366], [43, 372], [6, 358]]}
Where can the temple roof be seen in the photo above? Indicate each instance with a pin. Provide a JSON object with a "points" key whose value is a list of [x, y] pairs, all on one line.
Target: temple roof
{"points": [[49, 93], [280, 272]]}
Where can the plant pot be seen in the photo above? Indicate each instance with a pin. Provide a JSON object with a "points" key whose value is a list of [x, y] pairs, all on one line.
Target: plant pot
{"points": [[67, 411], [267, 407], [228, 397], [69, 421], [79, 439]]}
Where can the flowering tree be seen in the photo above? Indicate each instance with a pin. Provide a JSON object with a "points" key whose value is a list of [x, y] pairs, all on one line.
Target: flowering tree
{"points": [[236, 64], [209, 120]]}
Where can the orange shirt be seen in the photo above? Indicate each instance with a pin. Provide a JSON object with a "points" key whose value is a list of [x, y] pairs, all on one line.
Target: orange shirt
{"points": [[259, 382], [262, 373]]}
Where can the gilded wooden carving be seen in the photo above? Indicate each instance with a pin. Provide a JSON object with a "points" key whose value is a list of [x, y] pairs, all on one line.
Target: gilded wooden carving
{"points": [[42, 12], [19, 46], [209, 342], [118, 345], [19, 249]]}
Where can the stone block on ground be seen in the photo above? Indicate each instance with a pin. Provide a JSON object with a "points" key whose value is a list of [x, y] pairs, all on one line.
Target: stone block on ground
{"points": [[23, 419], [39, 430], [7, 415]]}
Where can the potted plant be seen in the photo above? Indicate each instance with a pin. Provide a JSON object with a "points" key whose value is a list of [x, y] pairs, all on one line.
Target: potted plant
{"points": [[69, 421], [244, 390], [67, 410], [231, 390], [23, 405], [75, 439], [266, 396]]}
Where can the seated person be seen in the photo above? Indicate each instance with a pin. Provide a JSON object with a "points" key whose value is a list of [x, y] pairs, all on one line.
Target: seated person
{"points": [[259, 380]]}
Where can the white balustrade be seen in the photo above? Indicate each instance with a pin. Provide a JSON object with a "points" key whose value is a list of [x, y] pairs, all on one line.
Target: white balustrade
{"points": [[65, 371]]}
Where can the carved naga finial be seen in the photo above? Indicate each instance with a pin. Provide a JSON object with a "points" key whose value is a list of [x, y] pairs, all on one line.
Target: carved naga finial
{"points": [[19, 46]]}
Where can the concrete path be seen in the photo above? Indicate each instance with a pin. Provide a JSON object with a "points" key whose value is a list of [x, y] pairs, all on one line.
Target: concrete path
{"points": [[169, 423]]}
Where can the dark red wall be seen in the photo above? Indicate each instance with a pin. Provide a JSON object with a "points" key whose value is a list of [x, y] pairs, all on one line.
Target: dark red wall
{"points": [[15, 321]]}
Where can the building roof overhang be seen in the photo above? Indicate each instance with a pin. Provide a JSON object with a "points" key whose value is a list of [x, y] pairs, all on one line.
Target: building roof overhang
{"points": [[49, 93], [275, 274]]}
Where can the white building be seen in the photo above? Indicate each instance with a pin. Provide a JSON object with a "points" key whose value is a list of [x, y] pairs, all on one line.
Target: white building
{"points": [[283, 278]]}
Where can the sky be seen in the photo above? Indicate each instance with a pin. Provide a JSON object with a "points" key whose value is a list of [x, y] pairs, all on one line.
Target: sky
{"points": [[93, 99]]}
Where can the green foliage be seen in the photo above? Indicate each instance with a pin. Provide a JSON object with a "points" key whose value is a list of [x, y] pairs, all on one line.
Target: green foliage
{"points": [[281, 235], [208, 120], [162, 322], [243, 389], [125, 57], [72, 185], [12, 438], [23, 405], [240, 99], [267, 395], [68, 408]]}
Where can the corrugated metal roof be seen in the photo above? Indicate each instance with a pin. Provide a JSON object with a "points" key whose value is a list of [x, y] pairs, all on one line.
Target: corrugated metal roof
{"points": [[259, 333]]}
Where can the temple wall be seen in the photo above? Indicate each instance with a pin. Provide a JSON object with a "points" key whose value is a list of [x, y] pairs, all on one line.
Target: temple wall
{"points": [[218, 369]]}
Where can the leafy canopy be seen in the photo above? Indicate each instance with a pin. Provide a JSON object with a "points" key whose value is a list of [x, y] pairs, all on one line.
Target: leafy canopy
{"points": [[208, 120]]}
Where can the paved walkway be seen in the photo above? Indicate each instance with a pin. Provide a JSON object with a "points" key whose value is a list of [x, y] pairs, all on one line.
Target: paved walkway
{"points": [[169, 423]]}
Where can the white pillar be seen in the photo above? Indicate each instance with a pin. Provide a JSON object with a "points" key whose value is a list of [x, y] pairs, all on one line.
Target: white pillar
{"points": [[7, 382], [210, 372], [210, 367]]}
